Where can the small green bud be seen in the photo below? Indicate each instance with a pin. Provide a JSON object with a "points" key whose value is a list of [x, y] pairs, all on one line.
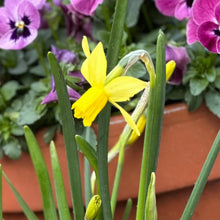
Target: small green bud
{"points": [[150, 206], [93, 207]]}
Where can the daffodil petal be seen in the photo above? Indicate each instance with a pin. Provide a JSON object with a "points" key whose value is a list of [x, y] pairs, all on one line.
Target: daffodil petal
{"points": [[85, 46], [122, 88], [89, 105], [95, 66], [127, 117]]}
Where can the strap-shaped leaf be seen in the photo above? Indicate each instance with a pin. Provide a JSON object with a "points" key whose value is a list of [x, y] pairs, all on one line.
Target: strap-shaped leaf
{"points": [[63, 208], [42, 174], [88, 151], [69, 133], [26, 209]]}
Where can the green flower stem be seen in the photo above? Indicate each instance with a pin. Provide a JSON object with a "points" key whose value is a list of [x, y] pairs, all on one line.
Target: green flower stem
{"points": [[153, 126], [87, 182], [121, 144], [69, 138], [104, 117], [202, 179]]}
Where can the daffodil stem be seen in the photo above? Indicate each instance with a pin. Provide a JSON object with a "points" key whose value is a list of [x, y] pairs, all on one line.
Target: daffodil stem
{"points": [[121, 144], [87, 184], [104, 117], [202, 179], [153, 126]]}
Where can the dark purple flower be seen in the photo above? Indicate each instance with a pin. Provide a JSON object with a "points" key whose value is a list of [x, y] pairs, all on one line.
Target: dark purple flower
{"points": [[19, 22], [179, 9], [181, 58], [204, 26], [64, 55], [52, 95], [67, 57], [86, 7], [77, 25]]}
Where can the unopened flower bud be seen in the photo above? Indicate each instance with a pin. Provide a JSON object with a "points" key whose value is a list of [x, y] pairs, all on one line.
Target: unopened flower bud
{"points": [[170, 67], [93, 207], [140, 125]]}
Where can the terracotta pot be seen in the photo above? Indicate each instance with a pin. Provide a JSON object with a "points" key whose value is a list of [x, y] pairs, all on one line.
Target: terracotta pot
{"points": [[186, 140]]}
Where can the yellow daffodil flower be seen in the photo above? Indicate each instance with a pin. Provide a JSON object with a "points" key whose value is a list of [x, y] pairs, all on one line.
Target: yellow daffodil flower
{"points": [[119, 89]]}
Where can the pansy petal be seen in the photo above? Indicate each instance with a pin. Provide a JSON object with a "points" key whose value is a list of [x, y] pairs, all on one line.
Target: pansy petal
{"points": [[8, 44], [207, 36], [94, 67], [5, 15], [204, 10], [122, 88], [27, 9], [191, 31], [127, 117], [217, 13], [182, 11], [86, 7], [166, 7]]}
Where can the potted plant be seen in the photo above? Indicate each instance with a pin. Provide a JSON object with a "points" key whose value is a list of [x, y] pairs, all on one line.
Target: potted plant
{"points": [[194, 80]]}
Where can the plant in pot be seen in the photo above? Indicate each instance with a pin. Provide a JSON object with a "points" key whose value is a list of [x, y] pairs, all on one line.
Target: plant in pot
{"points": [[22, 104]]}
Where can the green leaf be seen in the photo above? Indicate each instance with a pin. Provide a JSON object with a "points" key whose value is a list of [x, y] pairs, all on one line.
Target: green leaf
{"points": [[202, 179], [9, 90], [42, 175], [210, 74], [17, 130], [127, 209], [88, 151], [21, 68], [31, 56], [198, 85], [133, 12], [63, 208], [138, 70], [150, 207], [37, 70], [12, 149], [212, 99], [49, 134], [217, 80], [193, 101], [28, 113], [69, 134], [153, 127], [27, 211]]}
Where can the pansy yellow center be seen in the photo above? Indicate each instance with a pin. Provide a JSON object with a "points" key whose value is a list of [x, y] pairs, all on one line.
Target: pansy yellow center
{"points": [[20, 25]]}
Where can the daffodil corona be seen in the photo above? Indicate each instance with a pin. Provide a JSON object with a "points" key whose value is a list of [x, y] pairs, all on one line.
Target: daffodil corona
{"points": [[119, 89]]}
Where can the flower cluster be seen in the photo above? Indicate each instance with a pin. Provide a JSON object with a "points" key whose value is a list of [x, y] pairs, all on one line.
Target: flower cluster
{"points": [[203, 20]]}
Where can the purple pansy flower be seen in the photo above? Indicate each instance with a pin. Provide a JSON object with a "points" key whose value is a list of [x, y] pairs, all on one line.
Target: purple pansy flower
{"points": [[204, 26], [52, 95], [181, 58], [19, 21], [77, 25], [179, 9], [86, 7], [67, 57]]}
